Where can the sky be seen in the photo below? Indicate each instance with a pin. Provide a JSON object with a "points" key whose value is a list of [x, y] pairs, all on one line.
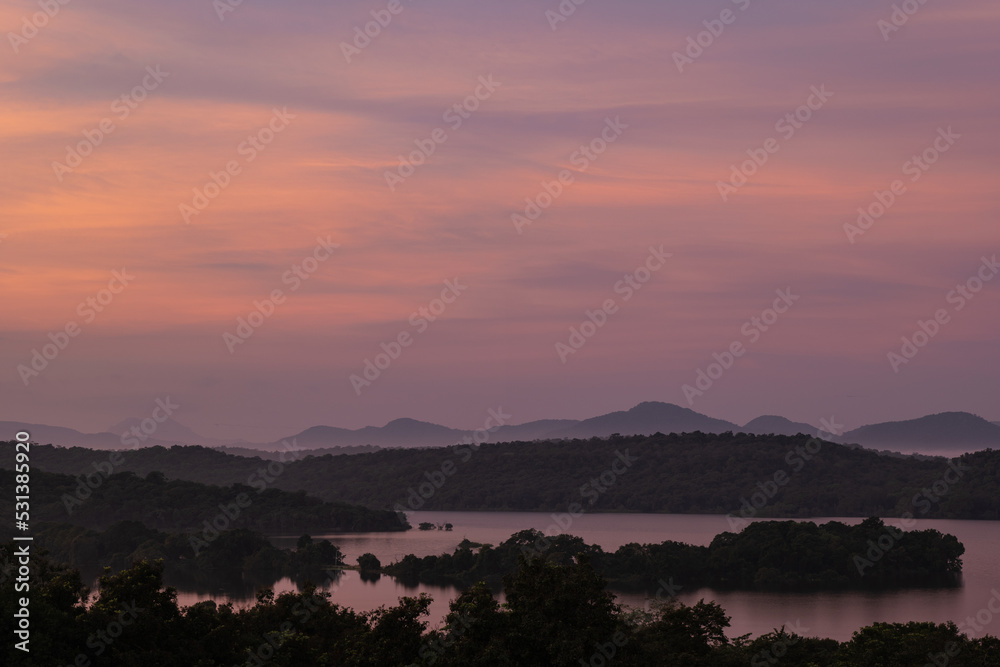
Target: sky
{"points": [[270, 161]]}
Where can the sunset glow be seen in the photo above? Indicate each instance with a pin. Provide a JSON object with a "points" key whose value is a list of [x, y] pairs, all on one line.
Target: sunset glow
{"points": [[241, 141]]}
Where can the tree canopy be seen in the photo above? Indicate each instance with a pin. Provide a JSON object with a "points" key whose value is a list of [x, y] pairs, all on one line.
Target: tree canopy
{"points": [[555, 615]]}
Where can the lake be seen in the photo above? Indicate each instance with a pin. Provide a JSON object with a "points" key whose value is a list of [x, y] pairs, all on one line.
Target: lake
{"points": [[834, 614]]}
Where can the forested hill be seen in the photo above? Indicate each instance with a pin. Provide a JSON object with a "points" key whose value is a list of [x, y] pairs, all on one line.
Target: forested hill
{"points": [[97, 501], [794, 476]]}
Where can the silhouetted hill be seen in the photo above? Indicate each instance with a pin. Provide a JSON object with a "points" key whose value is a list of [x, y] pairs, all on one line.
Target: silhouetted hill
{"points": [[284, 455], [536, 430], [68, 437], [947, 431], [778, 426], [693, 473], [166, 431], [181, 506], [397, 433], [417, 432], [643, 419], [646, 419]]}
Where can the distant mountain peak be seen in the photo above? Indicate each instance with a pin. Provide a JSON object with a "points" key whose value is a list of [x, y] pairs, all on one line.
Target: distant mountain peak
{"points": [[645, 419], [406, 424], [939, 418], [409, 421], [941, 431], [647, 407], [776, 418], [322, 430]]}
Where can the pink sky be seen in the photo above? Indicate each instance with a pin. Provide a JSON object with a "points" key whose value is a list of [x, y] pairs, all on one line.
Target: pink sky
{"points": [[323, 176]]}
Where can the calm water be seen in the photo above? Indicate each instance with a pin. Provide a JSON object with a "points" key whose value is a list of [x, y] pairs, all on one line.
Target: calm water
{"points": [[827, 614]]}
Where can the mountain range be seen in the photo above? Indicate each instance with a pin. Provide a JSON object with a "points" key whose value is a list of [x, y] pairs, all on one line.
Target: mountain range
{"points": [[943, 433]]}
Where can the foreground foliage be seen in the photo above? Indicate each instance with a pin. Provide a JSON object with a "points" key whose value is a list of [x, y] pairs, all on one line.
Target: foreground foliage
{"points": [[233, 560], [555, 614]]}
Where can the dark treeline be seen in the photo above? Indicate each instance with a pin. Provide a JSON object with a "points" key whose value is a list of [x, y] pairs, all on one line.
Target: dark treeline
{"points": [[285, 455], [763, 476], [775, 555], [234, 560], [97, 501], [554, 615]]}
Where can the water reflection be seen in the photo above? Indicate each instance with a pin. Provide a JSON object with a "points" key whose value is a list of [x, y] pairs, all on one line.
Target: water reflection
{"points": [[835, 614]]}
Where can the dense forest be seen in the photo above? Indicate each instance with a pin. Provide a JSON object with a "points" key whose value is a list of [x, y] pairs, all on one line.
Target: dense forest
{"points": [[555, 615], [739, 474], [97, 501], [190, 514], [772, 555], [234, 560]]}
